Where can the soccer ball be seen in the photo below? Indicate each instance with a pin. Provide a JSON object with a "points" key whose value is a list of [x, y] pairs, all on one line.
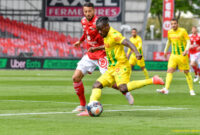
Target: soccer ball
{"points": [[95, 109]]}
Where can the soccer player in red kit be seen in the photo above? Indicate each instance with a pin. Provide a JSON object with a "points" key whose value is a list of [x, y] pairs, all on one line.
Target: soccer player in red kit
{"points": [[94, 57], [195, 52]]}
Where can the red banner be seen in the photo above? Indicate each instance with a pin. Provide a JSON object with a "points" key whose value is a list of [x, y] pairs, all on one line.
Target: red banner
{"points": [[72, 10], [168, 14], [159, 56]]}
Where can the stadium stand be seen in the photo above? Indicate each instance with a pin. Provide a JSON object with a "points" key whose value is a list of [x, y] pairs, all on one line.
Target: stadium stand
{"points": [[25, 38]]}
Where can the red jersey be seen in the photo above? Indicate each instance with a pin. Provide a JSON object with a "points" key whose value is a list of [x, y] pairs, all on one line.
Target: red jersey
{"points": [[93, 38], [195, 40]]}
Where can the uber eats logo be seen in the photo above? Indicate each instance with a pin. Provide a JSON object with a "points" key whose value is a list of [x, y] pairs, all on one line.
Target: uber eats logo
{"points": [[22, 63], [33, 64]]}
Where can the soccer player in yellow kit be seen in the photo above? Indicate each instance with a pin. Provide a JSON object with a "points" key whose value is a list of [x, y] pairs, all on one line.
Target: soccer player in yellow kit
{"points": [[119, 69], [137, 41], [180, 41]]}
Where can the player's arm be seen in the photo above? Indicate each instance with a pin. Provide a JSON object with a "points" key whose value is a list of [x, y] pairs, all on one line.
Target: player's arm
{"points": [[167, 48], [128, 52], [187, 38], [93, 49], [127, 43], [77, 44], [139, 44], [187, 48]]}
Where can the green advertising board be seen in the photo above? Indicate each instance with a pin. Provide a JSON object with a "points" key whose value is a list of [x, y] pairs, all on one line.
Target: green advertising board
{"points": [[3, 63], [50, 63], [154, 65], [60, 64]]}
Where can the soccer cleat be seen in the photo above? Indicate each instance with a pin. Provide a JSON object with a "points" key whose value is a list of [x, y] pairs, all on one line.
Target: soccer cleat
{"points": [[192, 93], [79, 109], [130, 98], [158, 80], [84, 113], [163, 91], [196, 78]]}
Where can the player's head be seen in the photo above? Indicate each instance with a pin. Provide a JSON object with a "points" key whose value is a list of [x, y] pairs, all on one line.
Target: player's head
{"points": [[88, 10], [134, 32], [103, 26], [194, 30], [174, 23]]}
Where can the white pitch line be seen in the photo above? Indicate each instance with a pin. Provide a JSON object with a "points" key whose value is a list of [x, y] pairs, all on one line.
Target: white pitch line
{"points": [[31, 101], [130, 110]]}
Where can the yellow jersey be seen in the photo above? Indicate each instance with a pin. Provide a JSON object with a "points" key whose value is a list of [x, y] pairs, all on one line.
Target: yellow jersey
{"points": [[137, 41], [114, 48], [178, 40]]}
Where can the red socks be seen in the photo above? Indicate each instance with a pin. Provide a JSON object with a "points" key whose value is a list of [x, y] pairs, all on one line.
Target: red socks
{"points": [[195, 70], [79, 88]]}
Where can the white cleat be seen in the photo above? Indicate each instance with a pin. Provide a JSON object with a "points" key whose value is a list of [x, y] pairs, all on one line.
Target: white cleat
{"points": [[196, 78], [79, 109], [192, 93], [163, 91], [130, 98]]}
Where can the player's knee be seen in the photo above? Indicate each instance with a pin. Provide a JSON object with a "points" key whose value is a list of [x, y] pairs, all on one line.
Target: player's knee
{"points": [[97, 85], [76, 78], [193, 64], [123, 88], [186, 71], [115, 87]]}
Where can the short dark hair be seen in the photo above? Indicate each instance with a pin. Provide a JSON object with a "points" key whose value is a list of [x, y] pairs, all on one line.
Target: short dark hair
{"points": [[134, 29], [103, 19], [88, 4], [174, 19]]}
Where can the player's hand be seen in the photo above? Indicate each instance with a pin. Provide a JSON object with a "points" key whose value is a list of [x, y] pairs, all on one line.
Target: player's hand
{"points": [[77, 43], [185, 53], [92, 49], [198, 49], [165, 55], [139, 56], [193, 46]]}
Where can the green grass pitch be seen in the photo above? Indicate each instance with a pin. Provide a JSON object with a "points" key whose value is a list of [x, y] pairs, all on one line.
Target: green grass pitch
{"points": [[40, 102]]}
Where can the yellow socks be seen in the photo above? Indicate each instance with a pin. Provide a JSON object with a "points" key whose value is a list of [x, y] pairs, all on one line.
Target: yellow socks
{"points": [[96, 94], [168, 80], [146, 73], [137, 84], [189, 80]]}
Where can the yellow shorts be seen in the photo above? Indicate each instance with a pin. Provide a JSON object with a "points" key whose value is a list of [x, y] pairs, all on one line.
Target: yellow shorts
{"points": [[133, 61], [119, 75], [179, 60]]}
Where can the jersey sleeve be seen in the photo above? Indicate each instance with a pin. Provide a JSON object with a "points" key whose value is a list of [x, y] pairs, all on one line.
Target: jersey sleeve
{"points": [[185, 34], [128, 52], [139, 43], [118, 38], [83, 37], [168, 36]]}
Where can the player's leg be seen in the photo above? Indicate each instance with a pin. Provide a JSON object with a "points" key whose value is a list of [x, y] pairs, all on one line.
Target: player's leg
{"points": [[172, 64], [199, 66], [141, 63], [184, 65], [79, 89], [140, 83], [128, 95], [198, 63], [122, 79], [189, 81], [145, 72], [85, 65], [104, 80], [103, 64], [194, 65]]}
